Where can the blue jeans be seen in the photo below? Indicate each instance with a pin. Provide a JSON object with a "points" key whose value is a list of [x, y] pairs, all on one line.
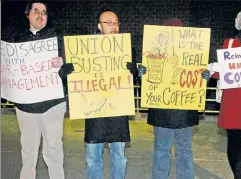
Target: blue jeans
{"points": [[95, 163], [162, 153]]}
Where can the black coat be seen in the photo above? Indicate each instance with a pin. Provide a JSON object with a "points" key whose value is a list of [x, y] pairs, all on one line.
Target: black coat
{"points": [[172, 118], [25, 36], [107, 129], [110, 129]]}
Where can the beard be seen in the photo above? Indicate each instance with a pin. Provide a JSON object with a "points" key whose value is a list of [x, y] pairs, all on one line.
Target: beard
{"points": [[40, 22], [114, 32], [39, 19]]}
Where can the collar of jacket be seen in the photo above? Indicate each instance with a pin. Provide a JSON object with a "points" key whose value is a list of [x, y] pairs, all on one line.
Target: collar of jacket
{"points": [[39, 33]]}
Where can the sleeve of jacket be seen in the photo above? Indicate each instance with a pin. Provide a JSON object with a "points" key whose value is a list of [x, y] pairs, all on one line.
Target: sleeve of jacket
{"points": [[61, 46], [62, 54]]}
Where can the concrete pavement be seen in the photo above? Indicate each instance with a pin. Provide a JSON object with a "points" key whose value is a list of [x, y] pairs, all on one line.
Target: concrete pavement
{"points": [[209, 149]]}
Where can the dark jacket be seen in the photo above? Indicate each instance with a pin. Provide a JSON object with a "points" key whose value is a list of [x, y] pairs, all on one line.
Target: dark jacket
{"points": [[172, 118], [109, 129], [27, 35]]}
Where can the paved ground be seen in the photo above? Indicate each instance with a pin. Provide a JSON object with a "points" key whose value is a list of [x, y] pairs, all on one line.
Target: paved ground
{"points": [[209, 147]]}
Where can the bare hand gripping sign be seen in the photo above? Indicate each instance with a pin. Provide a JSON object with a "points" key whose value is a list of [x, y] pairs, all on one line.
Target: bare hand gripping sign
{"points": [[175, 58], [100, 86], [26, 72]]}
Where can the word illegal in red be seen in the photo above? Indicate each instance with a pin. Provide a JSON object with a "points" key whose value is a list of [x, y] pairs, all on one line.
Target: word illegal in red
{"points": [[115, 83]]}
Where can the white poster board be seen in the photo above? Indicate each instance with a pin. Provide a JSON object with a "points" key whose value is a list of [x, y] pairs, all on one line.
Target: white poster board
{"points": [[27, 75], [229, 67]]}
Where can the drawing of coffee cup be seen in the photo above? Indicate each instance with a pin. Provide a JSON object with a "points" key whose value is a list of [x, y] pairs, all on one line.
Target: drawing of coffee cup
{"points": [[155, 69]]}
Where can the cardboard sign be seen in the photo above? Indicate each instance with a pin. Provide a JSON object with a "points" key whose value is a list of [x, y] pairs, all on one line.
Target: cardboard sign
{"points": [[229, 62], [175, 58], [100, 86], [27, 75]]}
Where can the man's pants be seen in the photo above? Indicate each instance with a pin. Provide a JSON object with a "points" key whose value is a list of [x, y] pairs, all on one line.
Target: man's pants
{"points": [[50, 126], [95, 163], [162, 153], [234, 152]]}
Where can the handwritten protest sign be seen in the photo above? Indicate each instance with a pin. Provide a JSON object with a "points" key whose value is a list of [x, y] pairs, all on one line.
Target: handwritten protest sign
{"points": [[26, 72], [100, 86], [229, 64], [175, 58]]}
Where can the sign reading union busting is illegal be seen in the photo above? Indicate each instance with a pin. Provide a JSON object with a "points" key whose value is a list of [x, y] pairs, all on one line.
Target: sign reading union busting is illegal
{"points": [[100, 86]]}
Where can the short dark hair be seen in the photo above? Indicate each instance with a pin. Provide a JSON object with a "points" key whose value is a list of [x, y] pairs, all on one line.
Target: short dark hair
{"points": [[29, 6]]}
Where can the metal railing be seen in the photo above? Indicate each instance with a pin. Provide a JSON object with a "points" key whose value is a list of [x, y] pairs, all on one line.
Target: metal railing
{"points": [[137, 98]]}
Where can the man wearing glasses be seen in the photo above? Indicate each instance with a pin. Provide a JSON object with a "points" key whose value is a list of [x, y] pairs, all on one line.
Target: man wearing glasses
{"points": [[43, 118], [112, 130]]}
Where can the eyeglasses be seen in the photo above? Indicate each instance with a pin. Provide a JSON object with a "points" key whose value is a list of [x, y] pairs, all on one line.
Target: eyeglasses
{"points": [[38, 12], [112, 23]]}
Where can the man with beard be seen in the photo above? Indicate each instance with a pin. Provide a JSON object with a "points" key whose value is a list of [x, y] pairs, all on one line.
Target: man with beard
{"points": [[42, 118]]}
